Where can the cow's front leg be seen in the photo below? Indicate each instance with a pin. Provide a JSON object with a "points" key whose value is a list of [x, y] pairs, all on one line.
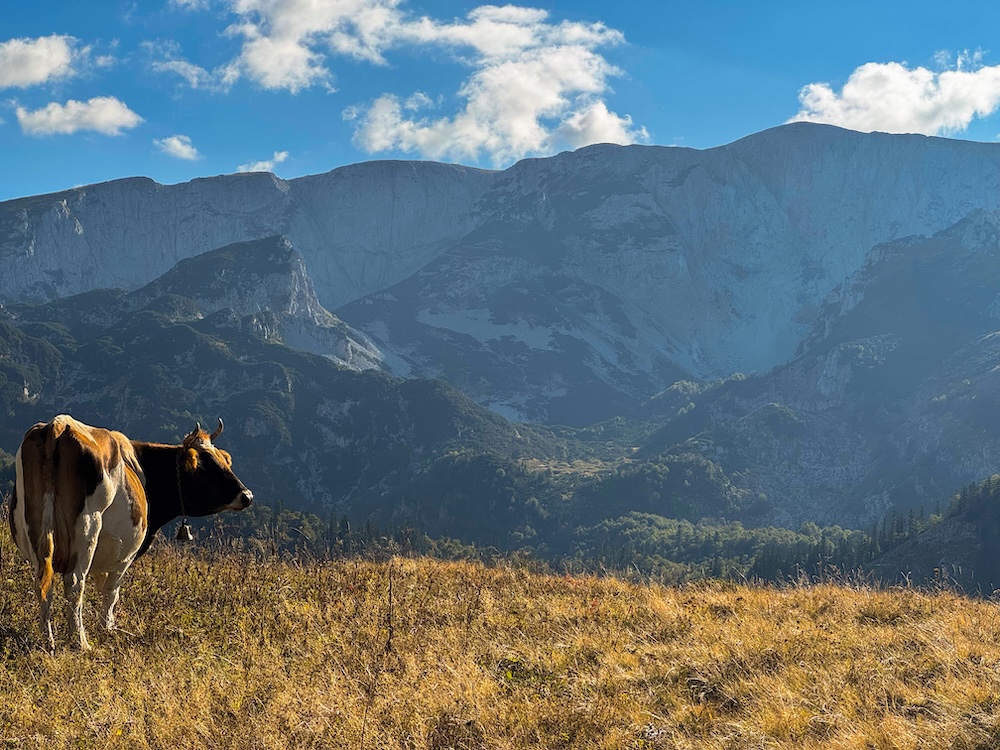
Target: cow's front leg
{"points": [[109, 592]]}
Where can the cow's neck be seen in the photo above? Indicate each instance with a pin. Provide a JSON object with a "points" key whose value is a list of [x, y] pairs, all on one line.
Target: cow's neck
{"points": [[159, 464]]}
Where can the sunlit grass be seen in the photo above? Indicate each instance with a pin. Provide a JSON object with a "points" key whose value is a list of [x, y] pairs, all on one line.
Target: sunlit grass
{"points": [[230, 651]]}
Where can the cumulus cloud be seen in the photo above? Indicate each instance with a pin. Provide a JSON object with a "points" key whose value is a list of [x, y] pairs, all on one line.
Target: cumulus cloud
{"points": [[220, 79], [102, 114], [29, 62], [165, 58], [177, 146], [195, 75], [266, 165], [506, 32], [283, 63], [895, 98], [285, 40], [541, 101], [534, 85], [595, 124]]}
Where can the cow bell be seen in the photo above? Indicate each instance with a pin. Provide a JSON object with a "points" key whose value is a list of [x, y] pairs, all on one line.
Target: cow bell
{"points": [[184, 532]]}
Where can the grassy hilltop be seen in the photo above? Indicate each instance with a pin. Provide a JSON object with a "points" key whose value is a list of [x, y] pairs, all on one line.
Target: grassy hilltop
{"points": [[224, 650]]}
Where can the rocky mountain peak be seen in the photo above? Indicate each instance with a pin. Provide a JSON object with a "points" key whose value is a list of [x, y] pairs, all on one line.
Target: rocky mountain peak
{"points": [[265, 282], [246, 277], [620, 267]]}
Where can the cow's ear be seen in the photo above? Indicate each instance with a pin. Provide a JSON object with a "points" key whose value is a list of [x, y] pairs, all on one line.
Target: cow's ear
{"points": [[191, 460]]}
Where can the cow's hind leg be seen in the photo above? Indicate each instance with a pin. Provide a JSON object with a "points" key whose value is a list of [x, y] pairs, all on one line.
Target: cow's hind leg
{"points": [[88, 528], [45, 614], [73, 586]]}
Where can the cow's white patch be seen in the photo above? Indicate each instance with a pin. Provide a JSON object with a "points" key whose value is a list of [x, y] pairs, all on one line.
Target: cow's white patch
{"points": [[20, 521]]}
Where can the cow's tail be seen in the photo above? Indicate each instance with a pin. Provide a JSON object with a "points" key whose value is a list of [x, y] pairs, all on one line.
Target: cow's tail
{"points": [[47, 551], [46, 536]]}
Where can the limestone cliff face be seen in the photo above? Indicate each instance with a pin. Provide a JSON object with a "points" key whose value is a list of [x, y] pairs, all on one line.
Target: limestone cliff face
{"points": [[358, 228], [264, 284], [730, 250], [594, 277], [128, 232], [606, 274]]}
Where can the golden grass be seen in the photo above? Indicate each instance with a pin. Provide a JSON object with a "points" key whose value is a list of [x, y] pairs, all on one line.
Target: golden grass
{"points": [[238, 653]]}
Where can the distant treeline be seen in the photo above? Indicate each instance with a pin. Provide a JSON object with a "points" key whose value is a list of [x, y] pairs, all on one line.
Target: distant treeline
{"points": [[642, 544]]}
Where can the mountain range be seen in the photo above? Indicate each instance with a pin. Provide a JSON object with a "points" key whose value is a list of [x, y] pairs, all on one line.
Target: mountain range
{"points": [[797, 327]]}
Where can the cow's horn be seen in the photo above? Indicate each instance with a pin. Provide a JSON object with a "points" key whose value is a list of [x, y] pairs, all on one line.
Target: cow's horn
{"points": [[218, 430]]}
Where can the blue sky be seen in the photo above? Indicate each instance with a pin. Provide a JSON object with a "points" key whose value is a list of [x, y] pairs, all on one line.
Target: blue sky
{"points": [[179, 89]]}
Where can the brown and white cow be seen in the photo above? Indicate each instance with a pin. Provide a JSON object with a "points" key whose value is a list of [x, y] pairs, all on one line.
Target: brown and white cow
{"points": [[89, 500]]}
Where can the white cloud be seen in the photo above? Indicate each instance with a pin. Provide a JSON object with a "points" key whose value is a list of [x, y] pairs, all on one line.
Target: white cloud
{"points": [[197, 77], [264, 166], [895, 98], [283, 63], [165, 58], [285, 40], [534, 85], [177, 146], [103, 114], [29, 62], [596, 124], [507, 32]]}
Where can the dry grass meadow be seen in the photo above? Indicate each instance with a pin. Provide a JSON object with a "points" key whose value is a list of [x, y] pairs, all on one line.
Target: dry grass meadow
{"points": [[229, 651]]}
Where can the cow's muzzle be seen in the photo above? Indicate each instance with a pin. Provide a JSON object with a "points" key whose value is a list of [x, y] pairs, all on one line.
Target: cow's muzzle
{"points": [[242, 500]]}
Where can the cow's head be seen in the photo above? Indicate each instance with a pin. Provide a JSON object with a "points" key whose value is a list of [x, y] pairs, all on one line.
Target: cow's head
{"points": [[206, 476]]}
